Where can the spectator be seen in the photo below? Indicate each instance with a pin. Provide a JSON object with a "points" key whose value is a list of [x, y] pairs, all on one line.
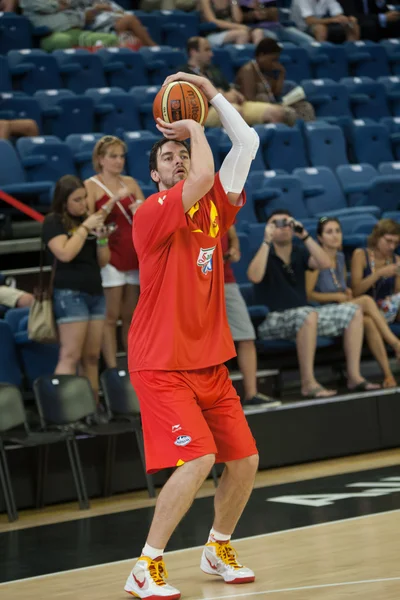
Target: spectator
{"points": [[8, 5], [279, 270], [78, 245], [262, 80], [200, 54], [11, 297], [265, 15], [375, 270], [325, 21], [117, 196], [240, 324], [329, 285], [15, 128], [67, 23], [227, 16], [376, 20]]}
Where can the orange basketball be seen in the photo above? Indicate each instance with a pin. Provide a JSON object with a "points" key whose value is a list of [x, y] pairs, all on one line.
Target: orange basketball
{"points": [[180, 100]]}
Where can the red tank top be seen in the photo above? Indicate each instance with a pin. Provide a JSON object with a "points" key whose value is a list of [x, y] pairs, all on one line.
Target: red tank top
{"points": [[123, 253]]}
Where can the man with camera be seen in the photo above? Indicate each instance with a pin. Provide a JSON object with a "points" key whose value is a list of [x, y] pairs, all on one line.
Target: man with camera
{"points": [[279, 269]]}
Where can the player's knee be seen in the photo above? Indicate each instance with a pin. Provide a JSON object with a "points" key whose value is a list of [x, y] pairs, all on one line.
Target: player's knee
{"points": [[251, 463], [205, 463]]}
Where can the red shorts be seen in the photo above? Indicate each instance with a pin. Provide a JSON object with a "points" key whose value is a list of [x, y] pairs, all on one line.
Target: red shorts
{"points": [[188, 414]]}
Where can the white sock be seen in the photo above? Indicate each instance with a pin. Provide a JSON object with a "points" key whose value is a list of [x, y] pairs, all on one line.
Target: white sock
{"points": [[151, 552], [216, 536]]}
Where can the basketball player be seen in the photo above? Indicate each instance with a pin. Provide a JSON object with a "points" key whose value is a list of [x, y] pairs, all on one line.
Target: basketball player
{"points": [[180, 338]]}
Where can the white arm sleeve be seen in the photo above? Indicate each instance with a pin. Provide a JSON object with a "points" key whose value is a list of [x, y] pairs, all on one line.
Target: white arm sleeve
{"points": [[245, 142]]}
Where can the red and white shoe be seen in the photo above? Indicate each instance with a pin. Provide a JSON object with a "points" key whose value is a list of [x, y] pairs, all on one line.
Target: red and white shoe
{"points": [[221, 559], [148, 580]]}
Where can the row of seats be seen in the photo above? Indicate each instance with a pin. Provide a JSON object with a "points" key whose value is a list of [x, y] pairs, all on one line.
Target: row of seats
{"points": [[77, 69], [165, 27]]}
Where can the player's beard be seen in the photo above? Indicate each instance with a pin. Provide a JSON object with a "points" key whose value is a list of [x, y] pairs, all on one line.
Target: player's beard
{"points": [[173, 180]]}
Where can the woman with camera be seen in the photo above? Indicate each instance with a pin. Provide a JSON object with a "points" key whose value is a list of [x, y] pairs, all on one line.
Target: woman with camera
{"points": [[118, 197], [329, 286], [78, 245]]}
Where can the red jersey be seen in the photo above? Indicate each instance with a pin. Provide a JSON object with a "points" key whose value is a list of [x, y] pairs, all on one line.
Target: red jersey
{"points": [[229, 276], [180, 321], [123, 254]]}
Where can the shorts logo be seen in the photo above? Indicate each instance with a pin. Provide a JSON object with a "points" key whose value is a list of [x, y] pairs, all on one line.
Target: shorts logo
{"points": [[182, 440], [204, 260], [176, 428]]}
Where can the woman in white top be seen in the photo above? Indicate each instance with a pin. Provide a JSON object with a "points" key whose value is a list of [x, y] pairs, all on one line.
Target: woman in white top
{"points": [[118, 196]]}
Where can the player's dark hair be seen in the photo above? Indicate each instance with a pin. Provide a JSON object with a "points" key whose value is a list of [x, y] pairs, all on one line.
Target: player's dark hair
{"points": [[193, 43], [282, 211], [157, 147], [267, 46]]}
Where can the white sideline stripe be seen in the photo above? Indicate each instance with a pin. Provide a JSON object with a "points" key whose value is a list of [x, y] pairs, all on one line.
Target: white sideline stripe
{"points": [[250, 537], [308, 587]]}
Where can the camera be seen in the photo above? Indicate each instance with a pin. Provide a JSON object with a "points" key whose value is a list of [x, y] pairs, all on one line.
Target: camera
{"points": [[280, 223]]}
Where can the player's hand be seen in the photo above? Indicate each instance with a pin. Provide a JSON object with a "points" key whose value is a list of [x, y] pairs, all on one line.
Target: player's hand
{"points": [[269, 232], [202, 83], [179, 130]]}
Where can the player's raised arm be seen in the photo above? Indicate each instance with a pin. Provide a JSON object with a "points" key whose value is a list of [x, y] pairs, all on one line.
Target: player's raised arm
{"points": [[200, 177]]}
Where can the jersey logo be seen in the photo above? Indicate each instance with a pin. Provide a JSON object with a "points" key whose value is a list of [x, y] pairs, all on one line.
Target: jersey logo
{"points": [[161, 200], [204, 260]]}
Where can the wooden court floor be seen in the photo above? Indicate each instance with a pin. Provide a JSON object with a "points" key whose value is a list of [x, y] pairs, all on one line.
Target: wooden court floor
{"points": [[356, 558]]}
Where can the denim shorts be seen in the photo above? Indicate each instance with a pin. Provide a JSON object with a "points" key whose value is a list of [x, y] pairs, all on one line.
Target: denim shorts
{"points": [[70, 306]]}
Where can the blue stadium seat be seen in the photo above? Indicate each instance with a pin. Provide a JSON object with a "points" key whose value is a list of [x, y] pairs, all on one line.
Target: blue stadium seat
{"points": [[13, 179], [33, 70], [367, 59], [124, 68], [5, 77], [389, 168], [392, 124], [65, 113], [240, 268], [162, 61], [326, 145], [329, 98], [323, 194], [15, 32], [392, 48], [152, 22], [223, 60], [144, 97], [282, 147], [370, 188], [240, 54], [371, 142], [213, 136], [271, 191], [178, 26], [328, 61], [116, 111], [81, 146], [45, 158], [296, 61], [10, 371], [367, 98], [18, 106], [81, 70], [355, 180], [392, 86], [139, 144]]}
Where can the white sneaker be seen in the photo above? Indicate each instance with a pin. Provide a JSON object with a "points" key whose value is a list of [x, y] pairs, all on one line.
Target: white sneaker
{"points": [[148, 580], [221, 559]]}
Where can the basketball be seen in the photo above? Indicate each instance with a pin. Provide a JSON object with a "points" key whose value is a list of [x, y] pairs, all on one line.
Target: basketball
{"points": [[180, 100]]}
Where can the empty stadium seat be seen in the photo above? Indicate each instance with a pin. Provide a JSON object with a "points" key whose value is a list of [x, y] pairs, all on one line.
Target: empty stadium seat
{"points": [[392, 48], [115, 110], [65, 113], [144, 97], [223, 60], [326, 145], [178, 26], [329, 98], [371, 142], [296, 61], [271, 191], [33, 70], [225, 145], [124, 68], [13, 179], [5, 77], [82, 148], [139, 144], [328, 61], [240, 54], [282, 147], [162, 61], [45, 158], [389, 168], [367, 59], [18, 106], [370, 188], [81, 69], [392, 86], [15, 32], [392, 124], [355, 180], [323, 194], [367, 98]]}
